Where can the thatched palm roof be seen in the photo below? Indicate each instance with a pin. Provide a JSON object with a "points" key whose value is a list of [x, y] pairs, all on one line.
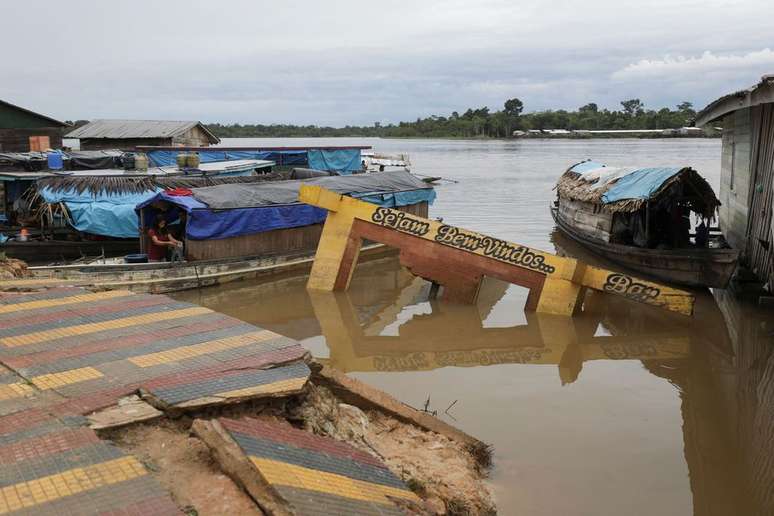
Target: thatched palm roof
{"points": [[139, 184], [696, 191]]}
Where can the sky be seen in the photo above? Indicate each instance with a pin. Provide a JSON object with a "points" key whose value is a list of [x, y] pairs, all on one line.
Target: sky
{"points": [[359, 62]]}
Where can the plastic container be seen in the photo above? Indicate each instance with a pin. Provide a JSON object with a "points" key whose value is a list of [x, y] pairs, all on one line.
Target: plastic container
{"points": [[182, 160], [193, 160], [141, 162], [55, 161]]}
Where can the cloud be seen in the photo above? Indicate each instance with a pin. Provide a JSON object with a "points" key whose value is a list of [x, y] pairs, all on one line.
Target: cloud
{"points": [[708, 62], [353, 62]]}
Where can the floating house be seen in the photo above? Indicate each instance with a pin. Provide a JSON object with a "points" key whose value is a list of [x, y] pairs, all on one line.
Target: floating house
{"points": [[22, 130], [343, 160], [73, 214], [266, 219], [128, 134], [747, 173]]}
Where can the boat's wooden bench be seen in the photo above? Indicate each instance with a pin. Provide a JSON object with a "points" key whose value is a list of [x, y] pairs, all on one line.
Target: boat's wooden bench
{"points": [[458, 259]]}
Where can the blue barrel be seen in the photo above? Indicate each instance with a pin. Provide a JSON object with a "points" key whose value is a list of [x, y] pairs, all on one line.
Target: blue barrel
{"points": [[55, 161]]}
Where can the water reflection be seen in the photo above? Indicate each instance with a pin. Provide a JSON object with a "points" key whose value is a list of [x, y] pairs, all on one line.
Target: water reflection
{"points": [[721, 363], [455, 335]]}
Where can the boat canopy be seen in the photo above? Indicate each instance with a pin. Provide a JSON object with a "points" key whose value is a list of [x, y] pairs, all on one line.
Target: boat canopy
{"points": [[627, 189], [105, 205], [106, 213], [230, 210]]}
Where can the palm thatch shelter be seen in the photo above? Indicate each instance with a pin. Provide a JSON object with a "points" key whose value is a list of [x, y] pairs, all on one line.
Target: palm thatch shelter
{"points": [[634, 205]]}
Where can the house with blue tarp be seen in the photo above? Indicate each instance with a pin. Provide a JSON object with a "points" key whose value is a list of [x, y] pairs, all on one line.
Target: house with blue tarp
{"points": [[260, 219]]}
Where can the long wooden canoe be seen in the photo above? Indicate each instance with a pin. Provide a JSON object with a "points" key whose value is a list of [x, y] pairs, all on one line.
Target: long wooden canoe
{"points": [[175, 276]]}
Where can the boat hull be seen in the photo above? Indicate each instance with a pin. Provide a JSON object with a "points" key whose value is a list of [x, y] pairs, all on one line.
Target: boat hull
{"points": [[48, 251], [689, 267], [162, 277]]}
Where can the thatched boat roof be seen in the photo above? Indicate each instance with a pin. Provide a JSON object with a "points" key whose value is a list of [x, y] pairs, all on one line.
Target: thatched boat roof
{"points": [[629, 189], [138, 184]]}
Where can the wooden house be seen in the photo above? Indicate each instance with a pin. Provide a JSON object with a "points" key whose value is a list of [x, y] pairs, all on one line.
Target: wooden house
{"points": [[128, 134], [747, 173], [22, 130]]}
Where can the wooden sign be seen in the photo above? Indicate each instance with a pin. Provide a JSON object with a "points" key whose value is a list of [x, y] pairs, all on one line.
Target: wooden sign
{"points": [[458, 259]]}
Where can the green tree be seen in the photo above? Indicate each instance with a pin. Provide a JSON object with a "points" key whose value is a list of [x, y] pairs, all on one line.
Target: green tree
{"points": [[513, 107], [633, 107]]}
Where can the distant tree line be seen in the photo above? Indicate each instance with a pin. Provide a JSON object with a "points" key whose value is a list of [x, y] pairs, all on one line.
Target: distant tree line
{"points": [[480, 123]]}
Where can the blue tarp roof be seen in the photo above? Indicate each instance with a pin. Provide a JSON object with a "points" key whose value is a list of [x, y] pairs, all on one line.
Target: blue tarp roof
{"points": [[621, 183], [105, 214], [167, 158], [341, 161], [206, 223], [640, 184]]}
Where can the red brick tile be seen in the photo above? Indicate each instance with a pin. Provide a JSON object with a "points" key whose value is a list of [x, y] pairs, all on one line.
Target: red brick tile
{"points": [[56, 442]]}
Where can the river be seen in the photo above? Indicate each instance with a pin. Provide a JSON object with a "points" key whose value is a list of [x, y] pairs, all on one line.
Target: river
{"points": [[622, 410]]}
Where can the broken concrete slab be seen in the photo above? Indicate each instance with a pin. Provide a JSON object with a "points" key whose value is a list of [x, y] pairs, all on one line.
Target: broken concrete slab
{"points": [[291, 471], [227, 387], [237, 465], [129, 410]]}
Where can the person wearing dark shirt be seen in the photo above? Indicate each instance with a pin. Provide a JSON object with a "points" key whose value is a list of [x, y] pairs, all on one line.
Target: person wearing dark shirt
{"points": [[161, 241], [702, 234]]}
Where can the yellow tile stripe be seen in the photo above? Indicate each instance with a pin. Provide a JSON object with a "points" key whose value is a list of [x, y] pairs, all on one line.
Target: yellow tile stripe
{"points": [[14, 390], [54, 380], [62, 301], [283, 386], [204, 348], [67, 483], [282, 473], [83, 329]]}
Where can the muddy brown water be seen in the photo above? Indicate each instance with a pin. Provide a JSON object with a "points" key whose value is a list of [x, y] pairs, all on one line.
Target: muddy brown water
{"points": [[622, 410]]}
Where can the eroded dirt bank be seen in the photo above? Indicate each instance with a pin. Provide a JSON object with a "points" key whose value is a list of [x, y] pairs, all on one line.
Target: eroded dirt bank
{"points": [[445, 473]]}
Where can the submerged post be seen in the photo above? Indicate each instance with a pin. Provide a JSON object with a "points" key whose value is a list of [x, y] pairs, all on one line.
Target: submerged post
{"points": [[339, 246], [458, 259]]}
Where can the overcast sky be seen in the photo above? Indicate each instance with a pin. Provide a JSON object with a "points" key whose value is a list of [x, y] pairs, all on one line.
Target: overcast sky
{"points": [[357, 62]]}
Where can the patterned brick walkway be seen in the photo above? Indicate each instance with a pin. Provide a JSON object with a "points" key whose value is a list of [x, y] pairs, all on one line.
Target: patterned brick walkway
{"points": [[58, 466], [67, 352]]}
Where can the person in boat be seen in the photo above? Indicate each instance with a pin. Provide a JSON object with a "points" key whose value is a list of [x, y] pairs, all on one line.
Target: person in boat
{"points": [[176, 223], [702, 234], [162, 244]]}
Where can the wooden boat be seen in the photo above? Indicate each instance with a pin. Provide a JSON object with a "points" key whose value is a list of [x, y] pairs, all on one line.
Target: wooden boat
{"points": [[650, 233]]}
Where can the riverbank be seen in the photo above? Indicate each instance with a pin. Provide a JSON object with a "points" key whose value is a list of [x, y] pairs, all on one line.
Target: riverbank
{"points": [[138, 391]]}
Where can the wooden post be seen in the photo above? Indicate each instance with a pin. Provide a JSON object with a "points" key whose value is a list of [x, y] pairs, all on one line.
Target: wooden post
{"points": [[647, 223], [142, 231], [338, 250]]}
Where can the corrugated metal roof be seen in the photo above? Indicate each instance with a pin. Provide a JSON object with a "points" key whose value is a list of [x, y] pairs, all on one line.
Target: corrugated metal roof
{"points": [[55, 122], [761, 93], [125, 129]]}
